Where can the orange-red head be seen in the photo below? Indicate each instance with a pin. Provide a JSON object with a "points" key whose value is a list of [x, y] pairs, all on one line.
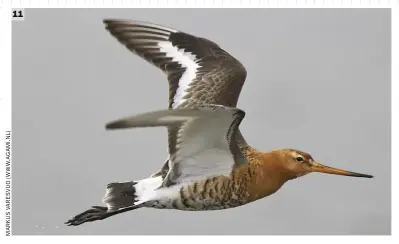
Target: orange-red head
{"points": [[297, 163]]}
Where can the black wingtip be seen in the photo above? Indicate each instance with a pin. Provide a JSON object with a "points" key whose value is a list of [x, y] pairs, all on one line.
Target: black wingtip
{"points": [[109, 21], [114, 125]]}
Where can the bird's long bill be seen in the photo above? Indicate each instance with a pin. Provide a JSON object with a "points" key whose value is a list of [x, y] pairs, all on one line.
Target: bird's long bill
{"points": [[317, 167]]}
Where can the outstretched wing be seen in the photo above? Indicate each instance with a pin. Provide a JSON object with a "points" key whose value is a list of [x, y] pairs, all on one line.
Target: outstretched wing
{"points": [[205, 140], [198, 70]]}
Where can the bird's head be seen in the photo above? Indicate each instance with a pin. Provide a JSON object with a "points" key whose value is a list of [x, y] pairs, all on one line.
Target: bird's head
{"points": [[298, 163]]}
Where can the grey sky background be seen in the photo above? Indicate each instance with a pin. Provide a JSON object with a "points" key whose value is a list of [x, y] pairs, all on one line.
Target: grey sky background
{"points": [[318, 80]]}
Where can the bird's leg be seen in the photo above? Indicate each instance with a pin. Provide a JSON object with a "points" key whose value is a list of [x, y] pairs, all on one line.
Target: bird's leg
{"points": [[97, 213]]}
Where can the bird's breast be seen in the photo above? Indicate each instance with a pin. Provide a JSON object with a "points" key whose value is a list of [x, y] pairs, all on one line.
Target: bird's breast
{"points": [[245, 184]]}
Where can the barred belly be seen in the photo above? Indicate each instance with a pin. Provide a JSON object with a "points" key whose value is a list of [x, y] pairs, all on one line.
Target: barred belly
{"points": [[210, 194]]}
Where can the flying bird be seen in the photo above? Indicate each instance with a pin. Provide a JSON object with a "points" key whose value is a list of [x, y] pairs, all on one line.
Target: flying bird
{"points": [[210, 165]]}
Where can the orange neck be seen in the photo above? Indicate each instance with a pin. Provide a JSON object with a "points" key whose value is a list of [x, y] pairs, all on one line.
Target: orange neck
{"points": [[261, 174]]}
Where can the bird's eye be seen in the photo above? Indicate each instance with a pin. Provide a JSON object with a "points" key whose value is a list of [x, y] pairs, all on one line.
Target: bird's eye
{"points": [[299, 159]]}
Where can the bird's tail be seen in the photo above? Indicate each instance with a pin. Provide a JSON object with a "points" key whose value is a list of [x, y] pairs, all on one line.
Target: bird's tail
{"points": [[119, 198], [120, 195], [125, 194]]}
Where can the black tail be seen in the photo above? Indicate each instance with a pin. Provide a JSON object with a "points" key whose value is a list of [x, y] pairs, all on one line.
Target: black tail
{"points": [[97, 213], [120, 195]]}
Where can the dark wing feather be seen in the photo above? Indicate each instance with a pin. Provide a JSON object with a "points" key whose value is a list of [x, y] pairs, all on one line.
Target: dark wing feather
{"points": [[219, 78], [199, 71]]}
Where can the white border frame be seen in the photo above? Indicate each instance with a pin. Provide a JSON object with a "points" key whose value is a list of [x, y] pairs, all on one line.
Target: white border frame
{"points": [[5, 92]]}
